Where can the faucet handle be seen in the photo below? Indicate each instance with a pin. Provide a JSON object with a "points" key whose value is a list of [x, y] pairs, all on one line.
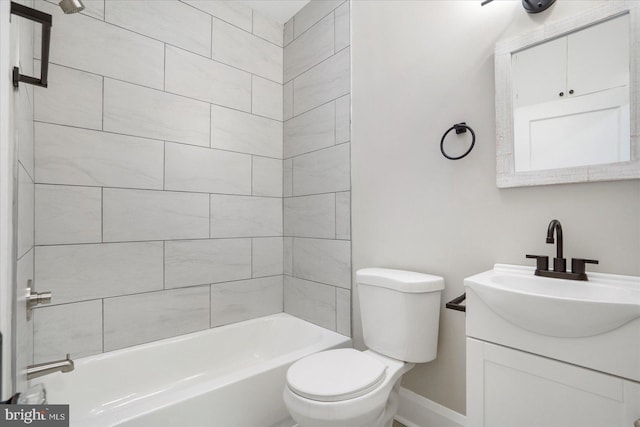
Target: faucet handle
{"points": [[578, 264], [542, 261]]}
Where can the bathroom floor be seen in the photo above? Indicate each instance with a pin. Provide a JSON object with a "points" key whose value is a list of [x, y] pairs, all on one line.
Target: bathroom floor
{"points": [[397, 424]]}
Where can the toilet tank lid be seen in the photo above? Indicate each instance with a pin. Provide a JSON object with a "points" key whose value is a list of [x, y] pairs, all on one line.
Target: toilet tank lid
{"points": [[400, 280]]}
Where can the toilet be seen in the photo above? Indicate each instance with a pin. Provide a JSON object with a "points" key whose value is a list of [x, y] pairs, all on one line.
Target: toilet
{"points": [[349, 388]]}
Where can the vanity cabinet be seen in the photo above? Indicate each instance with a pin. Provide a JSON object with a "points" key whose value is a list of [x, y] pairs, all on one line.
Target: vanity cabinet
{"points": [[507, 387], [571, 99]]}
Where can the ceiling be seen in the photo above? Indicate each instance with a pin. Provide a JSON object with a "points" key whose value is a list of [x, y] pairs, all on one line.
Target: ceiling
{"points": [[279, 10]]}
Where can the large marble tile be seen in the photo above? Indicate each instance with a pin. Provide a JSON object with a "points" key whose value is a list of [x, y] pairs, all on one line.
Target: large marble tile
{"points": [[342, 20], [66, 155], [70, 328], [247, 299], [25, 133], [245, 133], [313, 12], [311, 48], [343, 215], [310, 131], [241, 216], [243, 50], [68, 214], [343, 119], [288, 32], [310, 301], [93, 8], [287, 177], [26, 212], [199, 262], [191, 168], [287, 256], [268, 29], [267, 253], [343, 311], [172, 22], [197, 77], [104, 49], [267, 177], [72, 98], [310, 216], [322, 171], [323, 260], [287, 100], [139, 111], [136, 319], [84, 272], [135, 215], [266, 98], [324, 82], [232, 12]]}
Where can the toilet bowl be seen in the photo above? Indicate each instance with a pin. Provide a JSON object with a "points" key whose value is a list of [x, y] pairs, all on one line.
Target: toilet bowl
{"points": [[351, 388]]}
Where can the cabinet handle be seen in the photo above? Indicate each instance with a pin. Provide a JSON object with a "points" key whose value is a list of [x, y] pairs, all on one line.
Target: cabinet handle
{"points": [[561, 94]]}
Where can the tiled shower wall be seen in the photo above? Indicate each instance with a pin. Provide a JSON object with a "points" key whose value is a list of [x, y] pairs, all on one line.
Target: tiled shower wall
{"points": [[158, 171], [317, 184]]}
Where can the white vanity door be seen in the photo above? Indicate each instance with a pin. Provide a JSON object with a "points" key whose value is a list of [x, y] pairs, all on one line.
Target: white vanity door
{"points": [[507, 388]]}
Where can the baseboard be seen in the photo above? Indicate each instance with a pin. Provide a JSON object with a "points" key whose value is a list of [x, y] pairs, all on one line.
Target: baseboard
{"points": [[418, 411]]}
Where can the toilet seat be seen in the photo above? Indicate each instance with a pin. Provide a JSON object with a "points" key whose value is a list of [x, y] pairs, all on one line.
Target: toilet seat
{"points": [[335, 375]]}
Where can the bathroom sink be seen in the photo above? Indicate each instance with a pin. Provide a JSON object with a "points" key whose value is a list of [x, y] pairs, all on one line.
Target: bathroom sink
{"points": [[558, 307]]}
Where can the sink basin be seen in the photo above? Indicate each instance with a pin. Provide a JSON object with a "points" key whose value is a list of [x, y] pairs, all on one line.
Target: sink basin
{"points": [[558, 307]]}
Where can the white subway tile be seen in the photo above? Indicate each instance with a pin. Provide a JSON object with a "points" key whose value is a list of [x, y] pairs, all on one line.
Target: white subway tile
{"points": [[343, 36], [266, 98], [313, 12], [66, 155], [245, 133], [343, 215], [136, 319], [343, 119], [26, 209], [172, 22], [324, 82], [267, 177], [240, 49], [192, 75], [139, 111], [72, 98], [246, 299], [135, 215], [322, 171], [267, 256], [104, 49], [70, 328], [343, 311], [313, 302], [309, 49], [190, 168], [68, 214], [323, 260], [199, 262], [310, 216], [84, 272], [310, 131], [267, 28], [241, 216], [232, 12]]}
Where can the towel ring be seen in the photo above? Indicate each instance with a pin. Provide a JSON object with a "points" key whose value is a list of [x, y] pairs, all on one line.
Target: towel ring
{"points": [[460, 128]]}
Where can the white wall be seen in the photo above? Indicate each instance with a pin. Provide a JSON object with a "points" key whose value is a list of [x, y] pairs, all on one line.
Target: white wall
{"points": [[419, 67]]}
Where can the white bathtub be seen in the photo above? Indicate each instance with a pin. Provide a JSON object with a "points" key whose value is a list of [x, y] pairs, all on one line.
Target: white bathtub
{"points": [[232, 376]]}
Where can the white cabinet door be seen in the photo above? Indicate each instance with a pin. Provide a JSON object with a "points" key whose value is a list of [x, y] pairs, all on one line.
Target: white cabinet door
{"points": [[508, 388], [598, 57]]}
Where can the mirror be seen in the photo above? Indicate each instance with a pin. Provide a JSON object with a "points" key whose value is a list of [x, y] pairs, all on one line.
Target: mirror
{"points": [[567, 100]]}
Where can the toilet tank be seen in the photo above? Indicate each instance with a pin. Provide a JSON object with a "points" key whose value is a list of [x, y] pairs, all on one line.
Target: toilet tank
{"points": [[400, 312]]}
